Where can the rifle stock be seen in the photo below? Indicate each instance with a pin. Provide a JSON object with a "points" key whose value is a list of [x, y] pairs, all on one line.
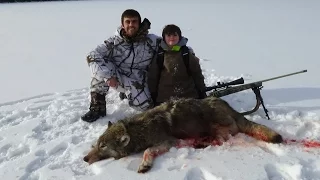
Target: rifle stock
{"points": [[235, 89]]}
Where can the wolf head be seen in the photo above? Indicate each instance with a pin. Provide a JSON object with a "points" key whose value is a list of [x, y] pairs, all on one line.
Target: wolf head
{"points": [[111, 144]]}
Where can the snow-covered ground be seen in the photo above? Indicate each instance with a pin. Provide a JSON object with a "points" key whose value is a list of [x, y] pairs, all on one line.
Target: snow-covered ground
{"points": [[44, 87]]}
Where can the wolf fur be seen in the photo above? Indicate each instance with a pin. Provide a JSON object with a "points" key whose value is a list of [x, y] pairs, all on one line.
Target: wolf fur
{"points": [[173, 124]]}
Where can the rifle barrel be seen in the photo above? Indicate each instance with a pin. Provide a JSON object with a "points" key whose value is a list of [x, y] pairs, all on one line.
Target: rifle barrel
{"points": [[290, 74]]}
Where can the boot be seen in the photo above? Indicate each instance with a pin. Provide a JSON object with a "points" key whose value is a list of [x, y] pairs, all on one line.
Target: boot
{"points": [[97, 108]]}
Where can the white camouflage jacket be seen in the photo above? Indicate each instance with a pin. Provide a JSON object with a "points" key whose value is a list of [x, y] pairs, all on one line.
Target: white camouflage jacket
{"points": [[119, 57]]}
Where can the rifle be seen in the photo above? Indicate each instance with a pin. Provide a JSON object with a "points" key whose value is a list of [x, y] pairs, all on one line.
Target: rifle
{"points": [[223, 89]]}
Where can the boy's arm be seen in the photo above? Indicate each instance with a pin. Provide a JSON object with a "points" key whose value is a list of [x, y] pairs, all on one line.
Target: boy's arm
{"points": [[197, 75]]}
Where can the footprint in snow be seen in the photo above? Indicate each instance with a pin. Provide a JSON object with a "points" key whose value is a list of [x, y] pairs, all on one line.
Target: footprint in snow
{"points": [[9, 152], [177, 167], [54, 166], [68, 93], [40, 131], [39, 106], [30, 169], [271, 148], [18, 151], [284, 171], [307, 129], [16, 117], [33, 176], [58, 149], [26, 99], [44, 100], [76, 140], [35, 164], [75, 99], [4, 149], [310, 169], [76, 93], [40, 153], [38, 162], [197, 173], [43, 126]]}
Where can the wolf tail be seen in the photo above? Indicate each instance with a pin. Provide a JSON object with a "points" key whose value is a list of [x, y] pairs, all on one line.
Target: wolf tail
{"points": [[258, 131]]}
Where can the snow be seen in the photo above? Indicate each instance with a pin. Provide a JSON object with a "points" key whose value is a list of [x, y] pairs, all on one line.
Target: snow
{"points": [[44, 87]]}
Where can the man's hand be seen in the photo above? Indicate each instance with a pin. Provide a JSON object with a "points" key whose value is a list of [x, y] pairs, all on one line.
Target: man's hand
{"points": [[113, 82]]}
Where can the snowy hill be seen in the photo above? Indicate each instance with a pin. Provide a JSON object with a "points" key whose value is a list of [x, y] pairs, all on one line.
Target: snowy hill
{"points": [[44, 91]]}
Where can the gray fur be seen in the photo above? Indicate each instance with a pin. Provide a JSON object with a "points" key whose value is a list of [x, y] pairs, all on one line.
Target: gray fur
{"points": [[158, 129]]}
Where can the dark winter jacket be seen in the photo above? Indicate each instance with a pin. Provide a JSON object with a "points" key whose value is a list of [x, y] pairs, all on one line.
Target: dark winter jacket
{"points": [[174, 81]]}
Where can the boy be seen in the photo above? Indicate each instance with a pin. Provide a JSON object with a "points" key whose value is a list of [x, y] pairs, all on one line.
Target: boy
{"points": [[176, 71]]}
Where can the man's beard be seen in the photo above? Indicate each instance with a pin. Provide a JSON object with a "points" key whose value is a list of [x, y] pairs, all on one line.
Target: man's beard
{"points": [[131, 32]]}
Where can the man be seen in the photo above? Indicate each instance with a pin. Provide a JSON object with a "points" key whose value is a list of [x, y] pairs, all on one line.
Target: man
{"points": [[122, 63]]}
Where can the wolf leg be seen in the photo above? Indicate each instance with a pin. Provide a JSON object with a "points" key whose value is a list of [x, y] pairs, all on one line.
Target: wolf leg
{"points": [[151, 153]]}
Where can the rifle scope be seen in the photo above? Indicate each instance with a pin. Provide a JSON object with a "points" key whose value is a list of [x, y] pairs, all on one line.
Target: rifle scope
{"points": [[235, 82], [221, 85]]}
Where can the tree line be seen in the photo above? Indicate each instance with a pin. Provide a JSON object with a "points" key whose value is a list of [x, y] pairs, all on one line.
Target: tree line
{"points": [[13, 1]]}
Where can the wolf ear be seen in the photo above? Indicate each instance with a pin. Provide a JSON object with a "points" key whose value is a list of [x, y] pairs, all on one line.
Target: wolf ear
{"points": [[124, 140], [109, 124]]}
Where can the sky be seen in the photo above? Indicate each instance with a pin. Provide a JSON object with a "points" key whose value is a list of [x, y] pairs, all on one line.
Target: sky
{"points": [[45, 81]]}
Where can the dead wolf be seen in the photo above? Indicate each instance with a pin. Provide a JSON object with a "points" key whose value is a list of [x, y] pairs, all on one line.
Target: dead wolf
{"points": [[170, 125]]}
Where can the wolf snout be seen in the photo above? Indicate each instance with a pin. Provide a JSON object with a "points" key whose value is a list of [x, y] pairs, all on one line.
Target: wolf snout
{"points": [[91, 158], [86, 159]]}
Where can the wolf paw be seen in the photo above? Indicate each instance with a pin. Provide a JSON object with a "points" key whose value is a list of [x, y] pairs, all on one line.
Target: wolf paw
{"points": [[143, 168]]}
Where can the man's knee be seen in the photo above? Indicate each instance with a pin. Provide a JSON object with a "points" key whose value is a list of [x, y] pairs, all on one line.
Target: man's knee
{"points": [[98, 86]]}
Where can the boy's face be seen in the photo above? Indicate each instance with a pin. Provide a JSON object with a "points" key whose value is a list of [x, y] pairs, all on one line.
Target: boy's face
{"points": [[130, 25], [171, 39]]}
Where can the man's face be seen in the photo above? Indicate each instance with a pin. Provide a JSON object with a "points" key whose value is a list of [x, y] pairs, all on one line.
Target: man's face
{"points": [[130, 25]]}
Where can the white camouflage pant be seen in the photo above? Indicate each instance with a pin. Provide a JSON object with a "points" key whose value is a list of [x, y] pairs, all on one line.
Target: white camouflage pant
{"points": [[137, 93]]}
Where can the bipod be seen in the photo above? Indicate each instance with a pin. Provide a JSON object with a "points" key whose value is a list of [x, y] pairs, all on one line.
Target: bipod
{"points": [[259, 102], [257, 92]]}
